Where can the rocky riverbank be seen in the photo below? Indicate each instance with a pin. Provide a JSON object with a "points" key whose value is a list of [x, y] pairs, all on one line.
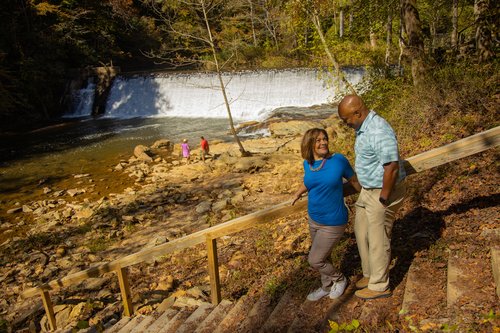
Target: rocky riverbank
{"points": [[74, 228]]}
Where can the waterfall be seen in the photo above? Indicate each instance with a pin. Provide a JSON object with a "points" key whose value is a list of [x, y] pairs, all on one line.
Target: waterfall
{"points": [[82, 100], [252, 94]]}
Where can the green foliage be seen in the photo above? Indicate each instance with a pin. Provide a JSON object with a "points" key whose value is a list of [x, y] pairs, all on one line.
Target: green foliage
{"points": [[98, 244], [491, 316], [40, 41], [3, 325], [353, 326], [82, 324], [273, 287]]}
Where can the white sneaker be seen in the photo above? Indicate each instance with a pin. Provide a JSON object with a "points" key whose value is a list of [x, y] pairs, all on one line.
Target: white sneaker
{"points": [[338, 288], [317, 294]]}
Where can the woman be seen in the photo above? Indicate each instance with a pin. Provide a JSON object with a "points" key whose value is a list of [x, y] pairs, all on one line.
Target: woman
{"points": [[323, 180], [186, 153]]}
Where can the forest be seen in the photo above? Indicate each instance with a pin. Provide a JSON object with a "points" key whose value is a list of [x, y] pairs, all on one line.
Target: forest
{"points": [[44, 43]]}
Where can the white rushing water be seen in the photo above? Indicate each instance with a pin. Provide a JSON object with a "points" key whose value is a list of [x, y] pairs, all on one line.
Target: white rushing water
{"points": [[253, 95]]}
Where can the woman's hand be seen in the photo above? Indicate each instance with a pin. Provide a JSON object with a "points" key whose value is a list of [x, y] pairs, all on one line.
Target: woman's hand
{"points": [[298, 194]]}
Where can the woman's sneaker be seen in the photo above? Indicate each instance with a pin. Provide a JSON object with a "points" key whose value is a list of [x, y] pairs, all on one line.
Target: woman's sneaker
{"points": [[338, 288], [317, 294]]}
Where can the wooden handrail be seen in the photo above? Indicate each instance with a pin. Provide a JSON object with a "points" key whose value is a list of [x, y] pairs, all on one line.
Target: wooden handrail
{"points": [[459, 149], [196, 238], [424, 161]]}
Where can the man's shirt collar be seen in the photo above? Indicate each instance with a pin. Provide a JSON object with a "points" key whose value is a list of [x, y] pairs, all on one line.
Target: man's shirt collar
{"points": [[366, 122]]}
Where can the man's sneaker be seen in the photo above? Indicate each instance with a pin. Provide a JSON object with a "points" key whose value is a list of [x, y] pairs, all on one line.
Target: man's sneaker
{"points": [[362, 283], [317, 294], [338, 288], [372, 294]]}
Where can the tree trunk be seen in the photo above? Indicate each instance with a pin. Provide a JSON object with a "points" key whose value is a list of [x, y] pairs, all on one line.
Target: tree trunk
{"points": [[483, 33], [373, 39], [252, 20], [454, 24], [415, 44], [317, 25], [341, 23], [221, 82], [432, 28], [388, 39], [401, 44]]}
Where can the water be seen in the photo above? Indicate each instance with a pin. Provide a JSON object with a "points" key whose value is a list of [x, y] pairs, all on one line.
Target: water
{"points": [[143, 109]]}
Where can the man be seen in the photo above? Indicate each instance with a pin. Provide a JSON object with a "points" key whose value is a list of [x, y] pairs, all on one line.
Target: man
{"points": [[381, 173], [205, 150]]}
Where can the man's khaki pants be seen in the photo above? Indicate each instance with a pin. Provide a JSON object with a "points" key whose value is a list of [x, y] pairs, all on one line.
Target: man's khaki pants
{"points": [[372, 227]]}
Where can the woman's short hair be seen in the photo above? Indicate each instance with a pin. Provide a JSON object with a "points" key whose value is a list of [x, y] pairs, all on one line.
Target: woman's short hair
{"points": [[308, 142]]}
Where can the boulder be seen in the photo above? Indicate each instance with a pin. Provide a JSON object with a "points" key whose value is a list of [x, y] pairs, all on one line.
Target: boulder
{"points": [[163, 144], [249, 164], [292, 128], [142, 153]]}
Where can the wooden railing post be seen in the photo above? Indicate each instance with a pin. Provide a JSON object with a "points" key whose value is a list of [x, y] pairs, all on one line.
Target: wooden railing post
{"points": [[49, 309], [213, 270], [125, 291]]}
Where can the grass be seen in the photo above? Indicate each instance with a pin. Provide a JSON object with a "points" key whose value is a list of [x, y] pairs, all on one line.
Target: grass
{"points": [[98, 244]]}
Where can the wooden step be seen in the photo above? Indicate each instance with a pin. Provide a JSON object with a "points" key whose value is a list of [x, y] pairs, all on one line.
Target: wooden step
{"points": [[192, 322], [313, 316], [257, 316], [118, 326], [236, 315], [176, 321], [132, 323], [418, 286], [162, 321], [464, 289], [141, 327], [283, 313], [215, 317]]}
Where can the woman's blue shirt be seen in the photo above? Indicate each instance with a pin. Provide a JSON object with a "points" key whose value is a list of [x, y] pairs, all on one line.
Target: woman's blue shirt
{"points": [[325, 194]]}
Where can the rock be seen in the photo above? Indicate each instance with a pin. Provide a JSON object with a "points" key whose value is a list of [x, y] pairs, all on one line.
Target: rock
{"points": [[74, 191], [119, 167], [166, 284], [47, 190], [219, 205], [249, 164], [166, 304], [163, 144], [141, 152], [60, 251], [14, 210], [291, 128], [238, 198], [203, 207], [82, 175], [83, 213], [58, 193], [62, 314]]}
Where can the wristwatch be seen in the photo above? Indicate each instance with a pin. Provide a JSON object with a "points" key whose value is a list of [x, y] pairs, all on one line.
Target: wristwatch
{"points": [[383, 201]]}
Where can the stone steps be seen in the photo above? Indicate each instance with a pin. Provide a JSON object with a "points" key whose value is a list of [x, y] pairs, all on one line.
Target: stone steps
{"points": [[455, 287]]}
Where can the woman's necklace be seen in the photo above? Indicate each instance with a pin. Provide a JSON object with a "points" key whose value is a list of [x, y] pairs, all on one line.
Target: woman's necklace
{"points": [[319, 167]]}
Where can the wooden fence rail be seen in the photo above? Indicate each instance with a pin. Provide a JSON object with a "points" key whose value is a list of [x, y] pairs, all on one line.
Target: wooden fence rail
{"points": [[424, 161]]}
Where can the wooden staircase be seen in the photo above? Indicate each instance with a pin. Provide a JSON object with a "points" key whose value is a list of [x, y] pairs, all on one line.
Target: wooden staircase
{"points": [[291, 313]]}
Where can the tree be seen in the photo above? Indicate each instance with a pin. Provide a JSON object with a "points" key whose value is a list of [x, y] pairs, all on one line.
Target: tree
{"points": [[483, 32], [195, 31], [454, 25], [312, 9], [414, 43]]}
